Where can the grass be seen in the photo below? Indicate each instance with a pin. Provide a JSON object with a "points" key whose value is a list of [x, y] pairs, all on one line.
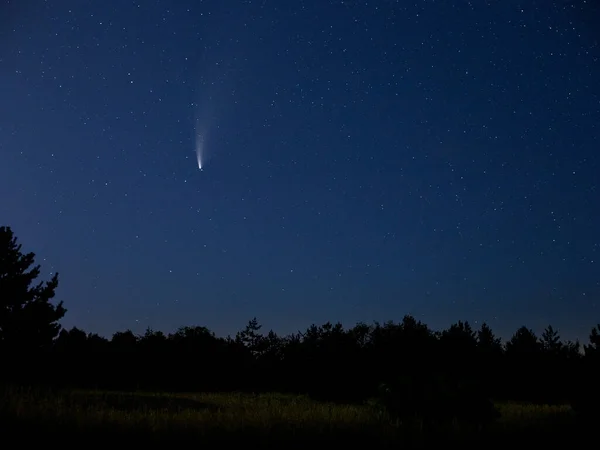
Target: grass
{"points": [[261, 421]]}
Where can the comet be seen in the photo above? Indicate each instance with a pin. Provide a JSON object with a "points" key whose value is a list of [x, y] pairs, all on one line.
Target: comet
{"points": [[199, 150]]}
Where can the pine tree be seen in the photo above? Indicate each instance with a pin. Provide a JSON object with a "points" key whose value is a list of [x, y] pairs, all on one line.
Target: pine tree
{"points": [[252, 338], [487, 342], [28, 320], [550, 340], [593, 349]]}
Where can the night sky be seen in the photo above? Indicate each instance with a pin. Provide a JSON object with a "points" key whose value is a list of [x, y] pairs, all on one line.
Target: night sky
{"points": [[362, 160]]}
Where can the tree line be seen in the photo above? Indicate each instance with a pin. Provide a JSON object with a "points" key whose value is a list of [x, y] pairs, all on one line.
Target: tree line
{"points": [[328, 362]]}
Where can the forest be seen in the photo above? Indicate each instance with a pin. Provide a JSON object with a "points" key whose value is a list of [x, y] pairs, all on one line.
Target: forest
{"points": [[407, 370]]}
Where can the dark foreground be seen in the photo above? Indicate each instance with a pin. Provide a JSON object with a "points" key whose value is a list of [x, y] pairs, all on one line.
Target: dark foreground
{"points": [[260, 421]]}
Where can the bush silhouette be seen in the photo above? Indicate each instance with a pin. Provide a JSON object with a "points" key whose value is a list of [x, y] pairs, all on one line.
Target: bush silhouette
{"points": [[435, 404]]}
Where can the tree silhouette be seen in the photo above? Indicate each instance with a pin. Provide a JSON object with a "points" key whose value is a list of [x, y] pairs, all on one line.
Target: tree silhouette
{"points": [[73, 340], [524, 363], [459, 341], [487, 342], [251, 337], [550, 340], [124, 341], [28, 321], [586, 395], [593, 348], [524, 343]]}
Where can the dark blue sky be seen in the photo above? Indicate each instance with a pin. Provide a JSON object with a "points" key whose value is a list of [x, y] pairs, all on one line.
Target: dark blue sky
{"points": [[362, 160]]}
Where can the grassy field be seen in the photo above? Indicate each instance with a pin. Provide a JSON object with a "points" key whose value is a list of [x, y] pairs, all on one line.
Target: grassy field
{"points": [[261, 421]]}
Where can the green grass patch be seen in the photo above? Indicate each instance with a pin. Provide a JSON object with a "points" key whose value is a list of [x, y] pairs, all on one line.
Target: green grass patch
{"points": [[262, 421]]}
